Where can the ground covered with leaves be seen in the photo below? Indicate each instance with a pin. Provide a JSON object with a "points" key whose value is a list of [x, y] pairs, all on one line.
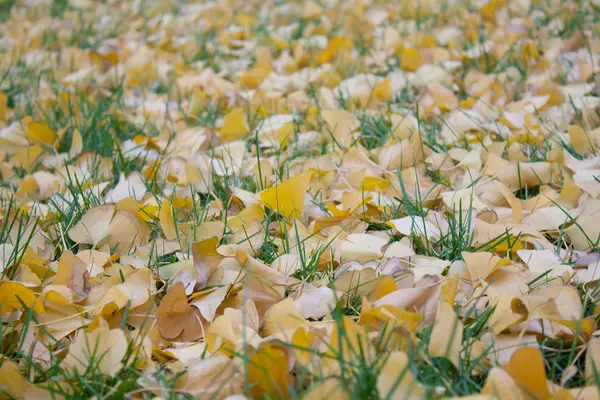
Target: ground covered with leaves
{"points": [[336, 199]]}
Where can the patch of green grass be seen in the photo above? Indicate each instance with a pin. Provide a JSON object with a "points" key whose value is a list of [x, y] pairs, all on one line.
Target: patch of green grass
{"points": [[375, 131]]}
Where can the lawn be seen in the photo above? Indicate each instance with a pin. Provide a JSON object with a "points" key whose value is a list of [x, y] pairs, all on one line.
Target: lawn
{"points": [[359, 199]]}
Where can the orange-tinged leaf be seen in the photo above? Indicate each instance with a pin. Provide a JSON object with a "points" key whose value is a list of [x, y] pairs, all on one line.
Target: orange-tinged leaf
{"points": [[526, 367], [386, 286], [268, 372]]}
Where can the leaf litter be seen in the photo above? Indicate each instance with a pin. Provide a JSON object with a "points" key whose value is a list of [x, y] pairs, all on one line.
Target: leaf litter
{"points": [[328, 199]]}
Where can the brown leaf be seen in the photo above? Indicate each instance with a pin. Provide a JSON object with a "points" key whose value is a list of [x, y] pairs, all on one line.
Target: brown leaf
{"points": [[177, 320]]}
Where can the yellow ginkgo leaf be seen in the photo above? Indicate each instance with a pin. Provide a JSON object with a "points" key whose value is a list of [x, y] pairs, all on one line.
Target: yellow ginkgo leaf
{"points": [[396, 381], [282, 320], [27, 157], [526, 367], [341, 126], [411, 59], [12, 383], [500, 385], [73, 273], [40, 132], [234, 125], [447, 334], [206, 259], [509, 311], [287, 198], [14, 295], [268, 374], [580, 140], [103, 346], [29, 188], [167, 223], [255, 76]]}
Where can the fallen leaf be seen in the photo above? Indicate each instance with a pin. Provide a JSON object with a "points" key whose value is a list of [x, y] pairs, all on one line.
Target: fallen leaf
{"points": [[103, 347], [176, 318], [287, 198], [447, 335]]}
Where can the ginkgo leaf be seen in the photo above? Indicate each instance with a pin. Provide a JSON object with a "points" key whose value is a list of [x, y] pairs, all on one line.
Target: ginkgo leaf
{"points": [[103, 347], [167, 223], [500, 385], [40, 132], [213, 376], [287, 198], [74, 274], [395, 379], [208, 302], [592, 358], [206, 259], [176, 318], [341, 125], [12, 383], [282, 320], [315, 303], [234, 125], [332, 388], [131, 186], [60, 317], [120, 229], [93, 225], [447, 334], [509, 311], [13, 296], [526, 367], [268, 371]]}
